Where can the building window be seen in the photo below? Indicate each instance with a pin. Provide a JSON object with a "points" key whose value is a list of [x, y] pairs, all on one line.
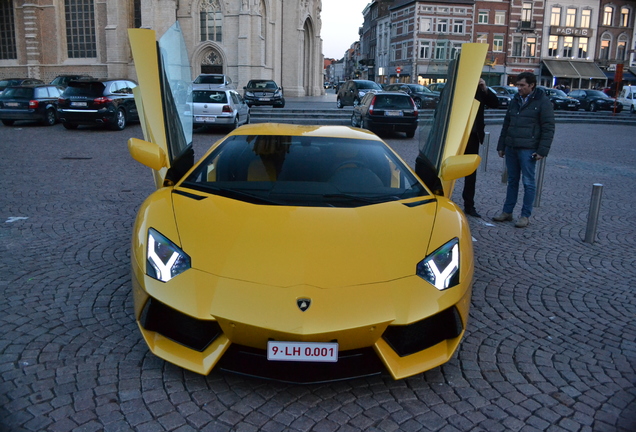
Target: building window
{"points": [[458, 26], [555, 16], [500, 17], [567, 46], [608, 15], [399, 28], [442, 25], [582, 51], [482, 38], [586, 15], [8, 49], [80, 29], [456, 49], [440, 51], [483, 17], [621, 45], [497, 43], [425, 50], [426, 25], [553, 46], [137, 14], [526, 12], [516, 46], [531, 47], [624, 17], [443, 10], [211, 21], [605, 47], [570, 18]]}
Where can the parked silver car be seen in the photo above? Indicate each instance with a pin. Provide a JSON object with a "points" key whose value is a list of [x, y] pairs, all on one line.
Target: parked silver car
{"points": [[218, 107]]}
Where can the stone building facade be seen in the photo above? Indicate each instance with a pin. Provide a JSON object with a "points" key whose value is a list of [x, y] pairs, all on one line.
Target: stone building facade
{"points": [[244, 39]]}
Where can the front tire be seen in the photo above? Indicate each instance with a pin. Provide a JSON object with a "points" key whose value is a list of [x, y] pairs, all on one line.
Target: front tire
{"points": [[593, 107], [339, 103], [410, 133], [632, 110], [418, 103]]}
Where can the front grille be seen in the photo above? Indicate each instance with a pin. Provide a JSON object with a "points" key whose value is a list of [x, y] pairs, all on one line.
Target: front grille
{"points": [[409, 339], [191, 332]]}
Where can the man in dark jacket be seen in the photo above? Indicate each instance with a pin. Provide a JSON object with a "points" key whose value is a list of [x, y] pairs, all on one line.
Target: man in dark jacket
{"points": [[526, 137], [486, 98]]}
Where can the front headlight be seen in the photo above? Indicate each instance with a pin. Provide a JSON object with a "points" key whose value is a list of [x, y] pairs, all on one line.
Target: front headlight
{"points": [[249, 93], [441, 268], [164, 259]]}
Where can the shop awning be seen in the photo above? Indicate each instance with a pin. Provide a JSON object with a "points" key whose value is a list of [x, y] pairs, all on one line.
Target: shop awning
{"points": [[627, 75], [574, 69]]}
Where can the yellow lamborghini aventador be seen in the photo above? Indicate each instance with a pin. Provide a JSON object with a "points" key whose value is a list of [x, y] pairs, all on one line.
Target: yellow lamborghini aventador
{"points": [[298, 253]]}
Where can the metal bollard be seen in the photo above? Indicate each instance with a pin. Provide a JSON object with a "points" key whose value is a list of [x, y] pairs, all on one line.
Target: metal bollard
{"points": [[539, 182], [592, 217], [484, 151]]}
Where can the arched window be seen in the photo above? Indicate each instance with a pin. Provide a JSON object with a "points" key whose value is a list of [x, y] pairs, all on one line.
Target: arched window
{"points": [[621, 47], [8, 49], [606, 42], [211, 21], [625, 17]]}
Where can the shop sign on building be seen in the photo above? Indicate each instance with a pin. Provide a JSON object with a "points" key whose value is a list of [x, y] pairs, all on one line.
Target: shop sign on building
{"points": [[571, 31]]}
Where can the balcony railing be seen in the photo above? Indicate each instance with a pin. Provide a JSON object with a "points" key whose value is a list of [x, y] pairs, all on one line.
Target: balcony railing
{"points": [[526, 25]]}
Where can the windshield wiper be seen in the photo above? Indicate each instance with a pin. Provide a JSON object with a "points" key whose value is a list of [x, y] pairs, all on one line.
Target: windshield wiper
{"points": [[231, 193]]}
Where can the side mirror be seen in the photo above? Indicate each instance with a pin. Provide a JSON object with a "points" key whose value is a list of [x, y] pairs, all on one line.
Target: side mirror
{"points": [[147, 153], [455, 167]]}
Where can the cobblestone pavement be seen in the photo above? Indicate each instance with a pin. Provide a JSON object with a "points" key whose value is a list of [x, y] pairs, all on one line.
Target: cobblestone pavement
{"points": [[551, 344]]}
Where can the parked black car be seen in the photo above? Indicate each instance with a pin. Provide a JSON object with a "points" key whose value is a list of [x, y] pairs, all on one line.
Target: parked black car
{"points": [[504, 96], [263, 92], [560, 100], [436, 87], [63, 80], [352, 91], [594, 100], [6, 82], [109, 102], [422, 96], [386, 111], [35, 102]]}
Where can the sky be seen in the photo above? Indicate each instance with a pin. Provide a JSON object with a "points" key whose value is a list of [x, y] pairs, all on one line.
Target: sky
{"points": [[341, 20]]}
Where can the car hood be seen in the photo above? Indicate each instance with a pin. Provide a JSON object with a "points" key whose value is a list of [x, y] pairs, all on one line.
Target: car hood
{"points": [[286, 246]]}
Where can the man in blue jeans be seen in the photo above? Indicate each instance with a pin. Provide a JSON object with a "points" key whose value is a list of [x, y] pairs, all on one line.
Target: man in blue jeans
{"points": [[526, 137]]}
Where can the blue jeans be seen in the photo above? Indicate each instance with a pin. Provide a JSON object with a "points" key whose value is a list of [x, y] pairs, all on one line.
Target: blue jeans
{"points": [[520, 165]]}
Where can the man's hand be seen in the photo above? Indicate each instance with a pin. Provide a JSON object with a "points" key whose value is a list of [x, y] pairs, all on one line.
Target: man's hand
{"points": [[482, 85], [501, 153]]}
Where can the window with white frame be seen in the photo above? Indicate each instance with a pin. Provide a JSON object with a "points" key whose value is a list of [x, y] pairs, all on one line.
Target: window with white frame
{"points": [[500, 17], [553, 46], [442, 25], [608, 15], [570, 18], [461, 11], [399, 28], [455, 50], [582, 49], [568, 42], [531, 47], [482, 18], [482, 38], [517, 46], [81, 40], [458, 26], [440, 50], [586, 17], [497, 43], [426, 25], [555, 16], [526, 12], [443, 10], [8, 49], [624, 17], [425, 49]]}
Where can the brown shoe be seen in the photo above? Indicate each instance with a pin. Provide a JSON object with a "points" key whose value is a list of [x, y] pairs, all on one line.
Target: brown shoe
{"points": [[522, 222], [503, 217]]}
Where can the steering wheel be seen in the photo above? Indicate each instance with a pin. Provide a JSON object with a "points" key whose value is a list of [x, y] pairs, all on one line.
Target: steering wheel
{"points": [[356, 163]]}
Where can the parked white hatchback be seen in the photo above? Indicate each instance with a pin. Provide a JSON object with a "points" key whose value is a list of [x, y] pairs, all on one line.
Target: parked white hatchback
{"points": [[218, 107]]}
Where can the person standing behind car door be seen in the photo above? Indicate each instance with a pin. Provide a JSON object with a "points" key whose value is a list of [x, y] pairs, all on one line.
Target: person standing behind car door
{"points": [[486, 98], [526, 137]]}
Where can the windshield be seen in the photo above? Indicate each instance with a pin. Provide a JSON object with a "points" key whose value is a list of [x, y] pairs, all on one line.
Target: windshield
{"points": [[262, 85], [598, 94], [304, 171], [18, 92], [419, 88]]}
